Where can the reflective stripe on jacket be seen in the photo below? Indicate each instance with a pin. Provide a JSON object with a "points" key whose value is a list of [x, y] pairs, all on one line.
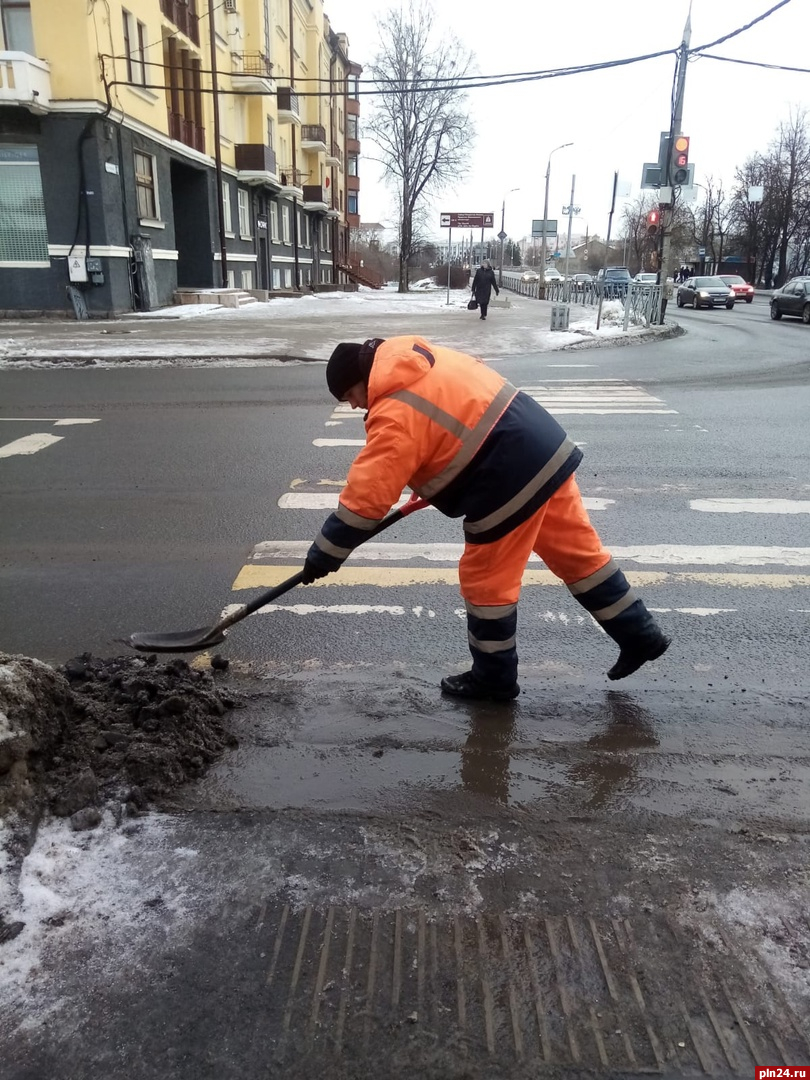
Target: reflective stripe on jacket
{"points": [[457, 433]]}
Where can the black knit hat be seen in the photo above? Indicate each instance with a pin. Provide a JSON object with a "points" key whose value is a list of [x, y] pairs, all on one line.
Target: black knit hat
{"points": [[349, 364]]}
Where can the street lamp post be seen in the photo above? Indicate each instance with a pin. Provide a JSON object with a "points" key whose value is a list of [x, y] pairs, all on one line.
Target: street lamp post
{"points": [[502, 235], [545, 211]]}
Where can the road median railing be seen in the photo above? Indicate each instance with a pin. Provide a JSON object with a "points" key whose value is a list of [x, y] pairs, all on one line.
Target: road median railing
{"points": [[642, 303]]}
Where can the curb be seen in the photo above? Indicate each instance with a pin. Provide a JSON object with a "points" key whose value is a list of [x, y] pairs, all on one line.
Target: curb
{"points": [[671, 330]]}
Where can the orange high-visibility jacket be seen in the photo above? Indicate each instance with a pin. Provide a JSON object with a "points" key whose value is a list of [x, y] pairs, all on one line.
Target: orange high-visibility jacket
{"points": [[457, 433]]}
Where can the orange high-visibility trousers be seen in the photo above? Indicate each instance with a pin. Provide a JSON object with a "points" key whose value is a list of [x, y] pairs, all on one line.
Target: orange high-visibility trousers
{"points": [[560, 532]]}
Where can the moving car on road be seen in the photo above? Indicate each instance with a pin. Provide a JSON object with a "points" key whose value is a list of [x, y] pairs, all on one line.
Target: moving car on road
{"points": [[552, 274], [792, 299], [739, 286], [528, 277], [705, 292], [645, 279]]}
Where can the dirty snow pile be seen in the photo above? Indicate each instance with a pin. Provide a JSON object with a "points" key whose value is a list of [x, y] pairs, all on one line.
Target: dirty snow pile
{"points": [[125, 729]]}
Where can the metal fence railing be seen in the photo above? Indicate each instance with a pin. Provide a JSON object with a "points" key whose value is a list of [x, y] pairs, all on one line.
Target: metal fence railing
{"points": [[642, 303]]}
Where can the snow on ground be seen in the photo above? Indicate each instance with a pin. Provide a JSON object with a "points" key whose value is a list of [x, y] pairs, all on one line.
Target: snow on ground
{"points": [[307, 327]]}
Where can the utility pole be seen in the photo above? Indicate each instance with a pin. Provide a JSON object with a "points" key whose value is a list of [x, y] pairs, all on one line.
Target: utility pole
{"points": [[570, 210], [668, 209], [217, 149], [545, 213]]}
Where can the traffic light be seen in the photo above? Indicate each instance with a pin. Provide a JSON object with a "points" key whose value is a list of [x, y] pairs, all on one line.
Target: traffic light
{"points": [[653, 221], [680, 159]]}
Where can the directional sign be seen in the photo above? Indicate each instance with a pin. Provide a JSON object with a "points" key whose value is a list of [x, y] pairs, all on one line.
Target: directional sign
{"points": [[466, 221]]}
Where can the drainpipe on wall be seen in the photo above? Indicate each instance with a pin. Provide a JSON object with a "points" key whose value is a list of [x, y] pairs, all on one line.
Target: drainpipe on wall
{"points": [[217, 150], [292, 135]]}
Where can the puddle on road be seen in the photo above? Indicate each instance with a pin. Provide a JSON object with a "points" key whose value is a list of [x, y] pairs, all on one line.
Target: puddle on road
{"points": [[349, 748]]}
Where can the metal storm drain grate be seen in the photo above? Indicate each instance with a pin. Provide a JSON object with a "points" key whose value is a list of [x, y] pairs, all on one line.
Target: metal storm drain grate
{"points": [[566, 990]]}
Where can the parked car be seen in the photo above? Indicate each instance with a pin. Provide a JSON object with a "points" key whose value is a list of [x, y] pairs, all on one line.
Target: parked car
{"points": [[613, 281], [708, 292], [646, 279], [740, 287], [552, 274], [529, 276], [792, 299]]}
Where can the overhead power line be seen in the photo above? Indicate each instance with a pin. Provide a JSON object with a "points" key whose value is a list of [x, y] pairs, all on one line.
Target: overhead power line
{"points": [[741, 29], [755, 63]]}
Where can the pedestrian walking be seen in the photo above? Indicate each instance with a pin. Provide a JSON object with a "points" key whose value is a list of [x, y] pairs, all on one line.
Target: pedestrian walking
{"points": [[458, 434], [483, 284]]}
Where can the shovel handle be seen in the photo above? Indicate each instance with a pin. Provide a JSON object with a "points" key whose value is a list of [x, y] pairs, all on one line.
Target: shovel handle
{"points": [[269, 595]]}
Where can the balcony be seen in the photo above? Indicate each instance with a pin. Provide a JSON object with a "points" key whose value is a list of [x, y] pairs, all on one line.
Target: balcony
{"points": [[186, 131], [184, 16], [25, 81], [256, 164], [313, 138], [316, 198], [253, 73], [292, 183], [335, 156], [288, 109]]}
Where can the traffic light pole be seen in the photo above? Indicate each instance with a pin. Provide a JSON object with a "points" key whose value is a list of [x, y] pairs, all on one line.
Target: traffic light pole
{"points": [[668, 209]]}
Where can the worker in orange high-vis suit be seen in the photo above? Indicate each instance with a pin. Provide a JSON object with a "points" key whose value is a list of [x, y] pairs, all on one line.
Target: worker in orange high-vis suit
{"points": [[459, 435]]}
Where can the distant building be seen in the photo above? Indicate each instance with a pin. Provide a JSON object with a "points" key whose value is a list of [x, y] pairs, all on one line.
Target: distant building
{"points": [[110, 170]]}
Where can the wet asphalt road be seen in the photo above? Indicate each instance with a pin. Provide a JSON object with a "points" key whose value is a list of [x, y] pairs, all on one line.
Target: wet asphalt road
{"points": [[610, 838]]}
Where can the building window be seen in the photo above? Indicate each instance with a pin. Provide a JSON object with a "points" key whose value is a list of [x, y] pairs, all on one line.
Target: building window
{"points": [[271, 134], [341, 202], [274, 223], [353, 164], [231, 279], [285, 223], [288, 282], [23, 228], [145, 186], [134, 38], [340, 119], [325, 236], [276, 278], [351, 201], [247, 279], [17, 30], [351, 127], [354, 86], [226, 208], [244, 213]]}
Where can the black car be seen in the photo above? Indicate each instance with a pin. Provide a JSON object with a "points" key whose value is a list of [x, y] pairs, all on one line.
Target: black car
{"points": [[613, 282], [705, 292], [792, 299]]}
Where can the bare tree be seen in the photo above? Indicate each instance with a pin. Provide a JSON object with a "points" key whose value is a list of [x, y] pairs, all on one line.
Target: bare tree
{"points": [[420, 122]]}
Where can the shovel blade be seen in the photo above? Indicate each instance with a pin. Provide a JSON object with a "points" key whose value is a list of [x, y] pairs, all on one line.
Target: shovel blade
{"points": [[181, 641]]}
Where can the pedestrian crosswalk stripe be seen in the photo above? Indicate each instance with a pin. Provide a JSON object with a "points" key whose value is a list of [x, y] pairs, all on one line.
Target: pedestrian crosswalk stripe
{"points": [[751, 506], [29, 444], [338, 442], [68, 421], [644, 554], [328, 500], [267, 575]]}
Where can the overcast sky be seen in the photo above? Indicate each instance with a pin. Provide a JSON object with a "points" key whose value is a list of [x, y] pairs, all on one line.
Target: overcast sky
{"points": [[614, 118]]}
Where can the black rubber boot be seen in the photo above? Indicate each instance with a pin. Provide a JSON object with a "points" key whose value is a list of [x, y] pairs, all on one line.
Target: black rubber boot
{"points": [[467, 686], [632, 656]]}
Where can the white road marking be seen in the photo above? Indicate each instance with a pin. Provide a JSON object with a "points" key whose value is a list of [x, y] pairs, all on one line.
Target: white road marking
{"points": [[328, 500], [29, 444], [338, 442], [571, 365], [751, 506], [335, 609], [644, 555], [46, 420], [694, 610]]}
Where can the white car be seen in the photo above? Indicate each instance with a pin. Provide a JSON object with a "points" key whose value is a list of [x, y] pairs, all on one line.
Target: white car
{"points": [[646, 279], [552, 274]]}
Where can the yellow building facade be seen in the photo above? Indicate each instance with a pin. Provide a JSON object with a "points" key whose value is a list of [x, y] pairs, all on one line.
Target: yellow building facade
{"points": [[153, 145]]}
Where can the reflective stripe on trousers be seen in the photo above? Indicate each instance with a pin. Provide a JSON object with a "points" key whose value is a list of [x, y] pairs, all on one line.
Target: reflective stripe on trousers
{"points": [[491, 636]]}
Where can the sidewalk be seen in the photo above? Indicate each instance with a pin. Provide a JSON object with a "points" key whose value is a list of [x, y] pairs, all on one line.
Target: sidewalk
{"points": [[307, 328]]}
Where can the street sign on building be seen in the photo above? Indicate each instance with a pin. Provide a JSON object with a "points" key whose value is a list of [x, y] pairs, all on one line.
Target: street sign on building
{"points": [[545, 228], [466, 221]]}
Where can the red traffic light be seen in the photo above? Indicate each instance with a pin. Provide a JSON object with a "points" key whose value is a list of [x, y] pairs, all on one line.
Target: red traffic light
{"points": [[653, 217]]}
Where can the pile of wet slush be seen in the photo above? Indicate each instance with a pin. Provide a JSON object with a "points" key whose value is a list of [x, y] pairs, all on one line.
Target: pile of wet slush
{"points": [[125, 730]]}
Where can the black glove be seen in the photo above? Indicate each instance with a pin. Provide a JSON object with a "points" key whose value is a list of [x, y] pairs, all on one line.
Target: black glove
{"points": [[312, 571]]}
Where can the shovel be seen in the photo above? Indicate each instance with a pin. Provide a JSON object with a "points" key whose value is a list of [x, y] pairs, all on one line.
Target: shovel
{"points": [[206, 636]]}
